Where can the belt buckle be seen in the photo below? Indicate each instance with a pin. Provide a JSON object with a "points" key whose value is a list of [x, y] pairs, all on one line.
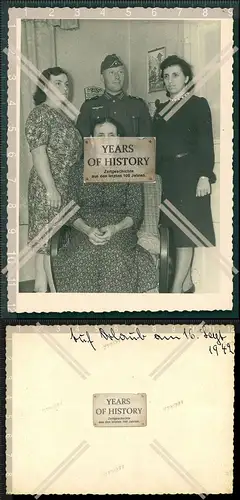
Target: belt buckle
{"points": [[181, 155]]}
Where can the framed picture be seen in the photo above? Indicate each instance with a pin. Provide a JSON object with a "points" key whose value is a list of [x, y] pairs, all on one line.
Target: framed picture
{"points": [[155, 58]]}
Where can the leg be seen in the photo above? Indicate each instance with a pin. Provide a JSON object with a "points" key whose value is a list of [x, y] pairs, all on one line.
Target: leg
{"points": [[40, 274], [183, 267], [188, 282], [48, 272]]}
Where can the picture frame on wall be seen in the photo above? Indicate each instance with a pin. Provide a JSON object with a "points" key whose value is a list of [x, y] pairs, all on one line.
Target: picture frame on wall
{"points": [[93, 91], [155, 58]]}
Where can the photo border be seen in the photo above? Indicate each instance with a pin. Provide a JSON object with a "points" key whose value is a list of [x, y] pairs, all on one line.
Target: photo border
{"points": [[166, 327]]}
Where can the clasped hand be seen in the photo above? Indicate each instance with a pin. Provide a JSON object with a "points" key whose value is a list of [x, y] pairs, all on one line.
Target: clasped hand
{"points": [[101, 236]]}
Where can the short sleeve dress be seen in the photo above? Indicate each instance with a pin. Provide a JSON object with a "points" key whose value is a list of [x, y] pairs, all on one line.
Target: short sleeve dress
{"points": [[53, 129]]}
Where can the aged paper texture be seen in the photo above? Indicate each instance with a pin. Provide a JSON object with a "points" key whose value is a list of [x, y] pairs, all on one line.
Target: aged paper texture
{"points": [[187, 375], [109, 248]]}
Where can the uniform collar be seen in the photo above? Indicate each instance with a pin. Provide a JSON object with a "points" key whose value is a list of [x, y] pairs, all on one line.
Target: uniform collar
{"points": [[111, 97]]}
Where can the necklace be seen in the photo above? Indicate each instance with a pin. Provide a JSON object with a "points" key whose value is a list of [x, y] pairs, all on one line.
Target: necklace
{"points": [[175, 99]]}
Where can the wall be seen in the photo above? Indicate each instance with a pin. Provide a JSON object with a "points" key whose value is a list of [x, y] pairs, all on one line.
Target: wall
{"points": [[81, 51], [201, 45], [152, 35]]}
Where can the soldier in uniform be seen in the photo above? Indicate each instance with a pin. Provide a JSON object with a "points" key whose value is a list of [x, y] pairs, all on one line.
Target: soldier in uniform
{"points": [[130, 112]]}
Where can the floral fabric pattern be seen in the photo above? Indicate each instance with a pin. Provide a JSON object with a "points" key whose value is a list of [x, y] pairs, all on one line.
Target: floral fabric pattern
{"points": [[53, 129], [119, 266]]}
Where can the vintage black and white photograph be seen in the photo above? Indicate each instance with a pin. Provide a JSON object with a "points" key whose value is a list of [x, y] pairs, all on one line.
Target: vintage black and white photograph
{"points": [[161, 237]]}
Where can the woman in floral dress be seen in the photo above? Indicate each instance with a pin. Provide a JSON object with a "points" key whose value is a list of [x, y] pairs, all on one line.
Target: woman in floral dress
{"points": [[102, 255], [55, 145]]}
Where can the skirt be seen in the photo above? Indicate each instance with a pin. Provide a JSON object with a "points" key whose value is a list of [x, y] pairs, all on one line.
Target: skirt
{"points": [[189, 217]]}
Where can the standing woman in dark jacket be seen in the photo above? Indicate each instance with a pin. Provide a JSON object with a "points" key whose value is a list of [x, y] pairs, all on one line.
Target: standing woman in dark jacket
{"points": [[185, 161]]}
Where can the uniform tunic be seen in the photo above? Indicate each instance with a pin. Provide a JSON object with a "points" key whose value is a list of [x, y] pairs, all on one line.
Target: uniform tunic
{"points": [[130, 112], [119, 266], [46, 126], [185, 152]]}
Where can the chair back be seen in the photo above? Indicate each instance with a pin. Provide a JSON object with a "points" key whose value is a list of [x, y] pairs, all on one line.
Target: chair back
{"points": [[148, 234], [152, 202]]}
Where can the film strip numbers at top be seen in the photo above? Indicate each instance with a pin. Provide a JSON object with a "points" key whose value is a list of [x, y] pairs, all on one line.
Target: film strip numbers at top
{"points": [[129, 12]]}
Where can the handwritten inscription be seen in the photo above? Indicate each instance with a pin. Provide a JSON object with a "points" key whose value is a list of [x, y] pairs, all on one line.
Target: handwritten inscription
{"points": [[84, 338], [217, 345]]}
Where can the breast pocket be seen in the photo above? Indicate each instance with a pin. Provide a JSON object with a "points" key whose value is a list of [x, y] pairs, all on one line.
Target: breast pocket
{"points": [[135, 125], [130, 122], [98, 113]]}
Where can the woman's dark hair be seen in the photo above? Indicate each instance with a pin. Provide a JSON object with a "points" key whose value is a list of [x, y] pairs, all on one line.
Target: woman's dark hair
{"points": [[100, 121], [178, 61], [39, 95]]}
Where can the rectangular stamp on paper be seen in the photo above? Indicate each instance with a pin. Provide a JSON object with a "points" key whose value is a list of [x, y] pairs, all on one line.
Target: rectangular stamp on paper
{"points": [[67, 384], [119, 410], [151, 236], [117, 159]]}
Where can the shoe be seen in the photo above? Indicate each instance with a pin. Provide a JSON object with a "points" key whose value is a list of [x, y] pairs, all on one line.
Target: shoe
{"points": [[190, 290]]}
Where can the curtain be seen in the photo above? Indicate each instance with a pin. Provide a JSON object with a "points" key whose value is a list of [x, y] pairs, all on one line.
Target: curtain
{"points": [[38, 46], [65, 24]]}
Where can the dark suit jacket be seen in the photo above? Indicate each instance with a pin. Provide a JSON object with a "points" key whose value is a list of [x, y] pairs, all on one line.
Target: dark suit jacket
{"points": [[188, 130]]}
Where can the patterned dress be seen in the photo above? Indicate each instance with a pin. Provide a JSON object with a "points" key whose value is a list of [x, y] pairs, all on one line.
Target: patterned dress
{"points": [[52, 128], [119, 266]]}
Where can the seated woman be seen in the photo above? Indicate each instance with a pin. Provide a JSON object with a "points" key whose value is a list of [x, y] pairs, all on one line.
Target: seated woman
{"points": [[102, 254]]}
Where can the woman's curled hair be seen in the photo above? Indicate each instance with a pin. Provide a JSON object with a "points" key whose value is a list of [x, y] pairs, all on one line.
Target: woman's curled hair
{"points": [[175, 60], [39, 95]]}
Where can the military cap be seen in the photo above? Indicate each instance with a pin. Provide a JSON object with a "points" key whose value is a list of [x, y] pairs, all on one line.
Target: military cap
{"points": [[111, 61]]}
